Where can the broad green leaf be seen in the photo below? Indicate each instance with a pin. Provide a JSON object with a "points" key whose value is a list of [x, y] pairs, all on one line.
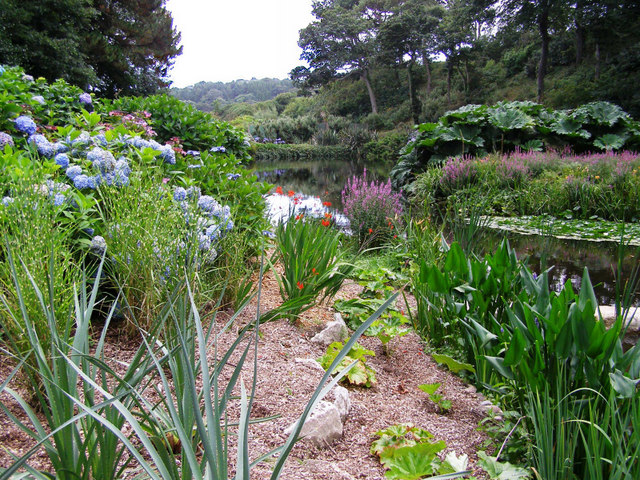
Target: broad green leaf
{"points": [[452, 463], [610, 142], [413, 463], [624, 386], [429, 388], [501, 470], [501, 368], [516, 349], [452, 364]]}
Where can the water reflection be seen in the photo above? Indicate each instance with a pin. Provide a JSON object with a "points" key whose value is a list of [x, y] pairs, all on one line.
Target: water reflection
{"points": [[568, 259], [324, 179]]}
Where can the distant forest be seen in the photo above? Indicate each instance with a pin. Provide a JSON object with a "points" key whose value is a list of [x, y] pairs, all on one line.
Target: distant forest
{"points": [[210, 96]]}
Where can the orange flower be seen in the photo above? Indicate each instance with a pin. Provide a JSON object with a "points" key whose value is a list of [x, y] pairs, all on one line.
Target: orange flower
{"points": [[299, 216], [371, 230], [325, 223], [313, 270], [291, 193], [279, 191], [391, 227], [327, 215], [326, 204], [300, 285], [395, 236]]}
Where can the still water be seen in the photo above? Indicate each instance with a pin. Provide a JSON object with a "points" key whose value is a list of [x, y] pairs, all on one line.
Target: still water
{"points": [[567, 258]]}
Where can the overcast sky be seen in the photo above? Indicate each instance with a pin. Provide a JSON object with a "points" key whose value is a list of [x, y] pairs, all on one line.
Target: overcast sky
{"points": [[224, 40]]}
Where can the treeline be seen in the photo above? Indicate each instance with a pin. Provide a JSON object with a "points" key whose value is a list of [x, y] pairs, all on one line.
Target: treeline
{"points": [[214, 96], [111, 47], [443, 54]]}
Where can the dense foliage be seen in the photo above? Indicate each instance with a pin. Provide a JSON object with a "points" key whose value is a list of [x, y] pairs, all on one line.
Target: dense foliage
{"points": [[117, 47], [504, 127]]}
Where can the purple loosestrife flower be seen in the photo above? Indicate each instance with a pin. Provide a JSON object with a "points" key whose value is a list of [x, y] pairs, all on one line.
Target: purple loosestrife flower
{"points": [[24, 124], [5, 139]]}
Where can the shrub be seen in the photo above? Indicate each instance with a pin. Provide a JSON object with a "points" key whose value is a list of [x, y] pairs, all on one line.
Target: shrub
{"points": [[372, 208]]}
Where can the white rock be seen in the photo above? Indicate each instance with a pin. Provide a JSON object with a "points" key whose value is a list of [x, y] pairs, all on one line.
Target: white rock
{"points": [[335, 331], [323, 426], [342, 401]]}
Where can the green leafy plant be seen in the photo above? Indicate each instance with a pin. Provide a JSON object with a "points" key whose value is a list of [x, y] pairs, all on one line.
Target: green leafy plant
{"points": [[407, 453], [314, 266], [360, 374], [442, 404], [501, 470]]}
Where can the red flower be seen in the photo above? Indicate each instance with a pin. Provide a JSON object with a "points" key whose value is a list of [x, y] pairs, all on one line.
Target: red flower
{"points": [[291, 193], [279, 191], [326, 204], [299, 216], [313, 270], [395, 236], [391, 227], [325, 223], [327, 215], [300, 285], [371, 230]]}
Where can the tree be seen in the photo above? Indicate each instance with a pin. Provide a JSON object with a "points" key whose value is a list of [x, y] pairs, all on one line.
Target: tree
{"points": [[46, 38], [340, 42], [409, 35], [132, 46], [541, 13], [113, 46]]}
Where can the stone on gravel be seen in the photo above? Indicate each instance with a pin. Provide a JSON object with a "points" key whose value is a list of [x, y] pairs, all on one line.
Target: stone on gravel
{"points": [[342, 401], [335, 331], [323, 426]]}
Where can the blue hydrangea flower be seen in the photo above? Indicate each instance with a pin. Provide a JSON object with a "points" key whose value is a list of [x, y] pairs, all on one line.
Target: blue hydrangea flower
{"points": [[155, 145], [217, 149], [60, 147], [108, 178], [73, 171], [85, 98], [24, 124], [93, 182], [121, 179], [168, 155], [208, 205], [83, 139], [58, 199], [39, 99], [98, 245], [27, 78], [100, 139], [193, 153], [6, 201], [233, 176], [179, 194], [5, 139], [123, 166], [229, 225], [205, 242], [139, 142], [213, 232], [43, 145], [80, 181], [88, 231], [193, 193], [95, 155], [62, 159]]}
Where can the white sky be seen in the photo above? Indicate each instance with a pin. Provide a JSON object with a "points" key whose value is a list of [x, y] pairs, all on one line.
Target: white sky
{"points": [[224, 40]]}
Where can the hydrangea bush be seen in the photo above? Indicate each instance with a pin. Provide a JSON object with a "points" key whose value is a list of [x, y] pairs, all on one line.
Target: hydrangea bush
{"points": [[372, 208], [115, 176]]}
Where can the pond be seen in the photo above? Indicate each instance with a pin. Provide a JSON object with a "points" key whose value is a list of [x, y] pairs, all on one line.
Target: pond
{"points": [[321, 178], [567, 259], [326, 179]]}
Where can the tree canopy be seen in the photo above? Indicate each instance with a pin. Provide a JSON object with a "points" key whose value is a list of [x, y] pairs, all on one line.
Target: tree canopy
{"points": [[116, 47]]}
